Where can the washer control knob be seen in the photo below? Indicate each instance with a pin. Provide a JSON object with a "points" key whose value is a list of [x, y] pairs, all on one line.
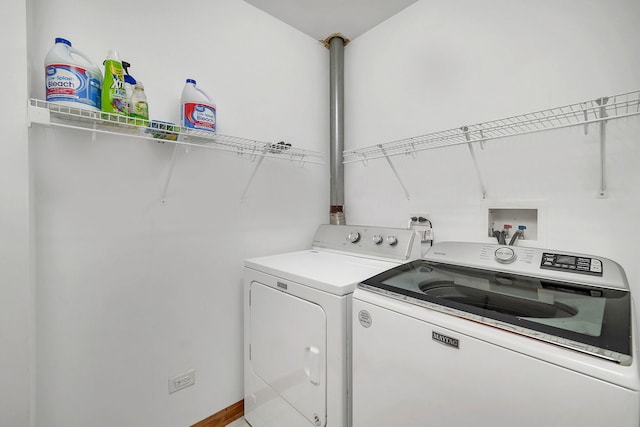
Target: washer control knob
{"points": [[377, 239], [505, 255], [353, 237], [392, 240]]}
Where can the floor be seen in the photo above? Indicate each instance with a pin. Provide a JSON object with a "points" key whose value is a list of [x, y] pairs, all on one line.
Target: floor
{"points": [[240, 422]]}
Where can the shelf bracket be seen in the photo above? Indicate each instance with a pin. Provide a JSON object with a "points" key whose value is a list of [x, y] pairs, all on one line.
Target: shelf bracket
{"points": [[465, 129], [413, 151], [603, 146], [39, 115], [253, 174], [586, 119], [395, 172], [163, 199]]}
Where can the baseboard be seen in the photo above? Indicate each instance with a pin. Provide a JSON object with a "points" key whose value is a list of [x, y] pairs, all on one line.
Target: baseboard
{"points": [[223, 417]]}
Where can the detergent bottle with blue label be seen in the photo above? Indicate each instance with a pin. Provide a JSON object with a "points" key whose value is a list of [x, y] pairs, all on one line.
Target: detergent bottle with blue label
{"points": [[198, 110], [71, 77]]}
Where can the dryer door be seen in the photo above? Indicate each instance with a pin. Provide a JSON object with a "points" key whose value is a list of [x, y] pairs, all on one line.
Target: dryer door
{"points": [[288, 349]]}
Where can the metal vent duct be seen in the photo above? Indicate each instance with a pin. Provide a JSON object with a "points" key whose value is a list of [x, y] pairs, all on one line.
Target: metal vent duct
{"points": [[336, 45]]}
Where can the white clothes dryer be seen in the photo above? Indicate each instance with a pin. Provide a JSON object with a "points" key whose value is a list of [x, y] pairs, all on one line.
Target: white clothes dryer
{"points": [[496, 336], [297, 323]]}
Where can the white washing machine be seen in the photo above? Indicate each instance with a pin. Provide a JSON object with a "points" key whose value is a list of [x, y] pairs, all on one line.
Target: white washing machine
{"points": [[487, 335], [297, 323]]}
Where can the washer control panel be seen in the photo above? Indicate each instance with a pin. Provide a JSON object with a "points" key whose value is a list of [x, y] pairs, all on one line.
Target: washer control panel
{"points": [[571, 263], [545, 264], [505, 255]]}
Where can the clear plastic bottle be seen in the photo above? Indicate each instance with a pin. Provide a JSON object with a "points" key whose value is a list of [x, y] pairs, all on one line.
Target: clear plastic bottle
{"points": [[71, 77], [139, 106], [198, 111], [129, 84]]}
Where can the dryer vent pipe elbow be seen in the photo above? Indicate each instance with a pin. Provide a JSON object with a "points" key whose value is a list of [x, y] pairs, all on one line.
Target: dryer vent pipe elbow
{"points": [[336, 215]]}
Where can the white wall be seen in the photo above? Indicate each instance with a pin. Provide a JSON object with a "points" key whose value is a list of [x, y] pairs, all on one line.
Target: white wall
{"points": [[15, 285], [440, 65], [129, 291]]}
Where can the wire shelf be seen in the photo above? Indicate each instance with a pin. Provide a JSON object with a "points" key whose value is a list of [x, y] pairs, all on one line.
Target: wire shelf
{"points": [[51, 114], [582, 113]]}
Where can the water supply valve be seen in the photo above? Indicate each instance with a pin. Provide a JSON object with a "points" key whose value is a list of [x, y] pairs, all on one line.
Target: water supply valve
{"points": [[506, 228], [522, 228]]}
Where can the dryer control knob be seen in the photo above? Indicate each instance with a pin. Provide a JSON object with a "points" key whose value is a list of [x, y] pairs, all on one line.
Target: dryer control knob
{"points": [[392, 240], [377, 239], [505, 255], [353, 237]]}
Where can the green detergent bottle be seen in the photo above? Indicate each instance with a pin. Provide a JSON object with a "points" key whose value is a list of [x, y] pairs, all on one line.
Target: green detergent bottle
{"points": [[114, 94]]}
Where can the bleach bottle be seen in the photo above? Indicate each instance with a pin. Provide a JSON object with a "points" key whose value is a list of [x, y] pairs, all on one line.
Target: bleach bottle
{"points": [[71, 78], [198, 110], [114, 94]]}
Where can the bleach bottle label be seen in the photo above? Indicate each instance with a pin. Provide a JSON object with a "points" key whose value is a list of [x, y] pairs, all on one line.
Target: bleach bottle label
{"points": [[72, 84], [199, 116]]}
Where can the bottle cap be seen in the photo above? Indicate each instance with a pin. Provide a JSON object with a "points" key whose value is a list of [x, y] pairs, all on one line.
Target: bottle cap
{"points": [[61, 40], [113, 54], [191, 81], [128, 78]]}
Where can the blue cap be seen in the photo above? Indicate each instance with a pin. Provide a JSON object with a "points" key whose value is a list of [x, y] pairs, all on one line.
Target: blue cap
{"points": [[61, 40], [522, 227], [191, 81]]}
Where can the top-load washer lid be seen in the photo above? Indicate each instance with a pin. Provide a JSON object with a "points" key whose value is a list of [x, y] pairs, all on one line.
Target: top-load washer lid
{"points": [[331, 272], [543, 298]]}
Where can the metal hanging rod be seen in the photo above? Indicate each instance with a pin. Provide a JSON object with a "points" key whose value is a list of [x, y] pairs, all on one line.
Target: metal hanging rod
{"points": [[582, 113], [50, 114]]}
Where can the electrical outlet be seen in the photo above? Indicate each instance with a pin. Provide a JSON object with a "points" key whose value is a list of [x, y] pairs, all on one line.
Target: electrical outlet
{"points": [[181, 381], [420, 218], [420, 223], [428, 234]]}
